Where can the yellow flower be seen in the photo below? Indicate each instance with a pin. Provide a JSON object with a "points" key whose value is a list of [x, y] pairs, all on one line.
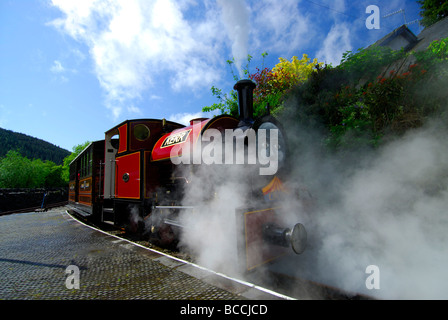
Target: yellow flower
{"points": [[295, 71]]}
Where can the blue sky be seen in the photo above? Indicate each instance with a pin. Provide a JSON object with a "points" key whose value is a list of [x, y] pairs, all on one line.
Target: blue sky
{"points": [[71, 70]]}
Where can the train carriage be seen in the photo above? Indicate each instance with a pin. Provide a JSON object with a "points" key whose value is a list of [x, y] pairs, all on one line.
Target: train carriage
{"points": [[85, 181]]}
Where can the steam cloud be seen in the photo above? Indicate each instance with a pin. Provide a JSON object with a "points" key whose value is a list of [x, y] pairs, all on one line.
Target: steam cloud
{"points": [[235, 17], [210, 232], [386, 208]]}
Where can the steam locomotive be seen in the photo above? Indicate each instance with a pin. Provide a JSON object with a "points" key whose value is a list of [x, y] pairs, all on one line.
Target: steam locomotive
{"points": [[138, 176]]}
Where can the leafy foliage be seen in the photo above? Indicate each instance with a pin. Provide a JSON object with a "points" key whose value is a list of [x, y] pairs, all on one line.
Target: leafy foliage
{"points": [[228, 103], [66, 166], [356, 107], [354, 104], [271, 85], [366, 63], [17, 171], [433, 11], [435, 56]]}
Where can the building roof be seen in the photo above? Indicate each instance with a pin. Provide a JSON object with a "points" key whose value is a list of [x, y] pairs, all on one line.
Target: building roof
{"points": [[403, 37], [400, 36]]}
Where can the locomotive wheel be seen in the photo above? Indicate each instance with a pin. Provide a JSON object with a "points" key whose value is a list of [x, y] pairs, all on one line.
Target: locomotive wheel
{"points": [[161, 234], [165, 235]]}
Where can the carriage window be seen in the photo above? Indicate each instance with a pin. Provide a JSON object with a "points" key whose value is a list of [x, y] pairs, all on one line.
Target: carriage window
{"points": [[90, 162], [141, 132]]}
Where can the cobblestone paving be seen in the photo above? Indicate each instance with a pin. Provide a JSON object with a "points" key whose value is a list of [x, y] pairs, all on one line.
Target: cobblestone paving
{"points": [[37, 248]]}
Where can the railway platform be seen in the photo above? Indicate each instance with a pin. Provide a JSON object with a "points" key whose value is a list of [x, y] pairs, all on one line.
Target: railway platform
{"points": [[51, 256]]}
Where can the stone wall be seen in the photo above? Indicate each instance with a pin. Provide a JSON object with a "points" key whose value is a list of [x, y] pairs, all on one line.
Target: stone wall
{"points": [[16, 199]]}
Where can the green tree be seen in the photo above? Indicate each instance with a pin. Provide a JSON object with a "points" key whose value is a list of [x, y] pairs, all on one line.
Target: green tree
{"points": [[15, 171], [367, 63], [433, 11], [228, 103], [54, 177], [66, 165]]}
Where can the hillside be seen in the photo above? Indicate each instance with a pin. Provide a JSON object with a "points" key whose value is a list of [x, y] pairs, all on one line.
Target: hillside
{"points": [[30, 147]]}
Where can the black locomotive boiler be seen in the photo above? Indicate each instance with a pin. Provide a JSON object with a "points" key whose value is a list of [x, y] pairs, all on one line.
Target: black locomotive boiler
{"points": [[133, 178]]}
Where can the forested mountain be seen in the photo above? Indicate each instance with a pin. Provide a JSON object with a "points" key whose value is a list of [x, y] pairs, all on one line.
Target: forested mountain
{"points": [[30, 147]]}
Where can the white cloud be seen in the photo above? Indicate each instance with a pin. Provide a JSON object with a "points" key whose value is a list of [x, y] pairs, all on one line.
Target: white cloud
{"points": [[57, 67], [59, 71], [134, 109], [282, 26], [155, 97], [335, 44], [184, 118], [133, 42]]}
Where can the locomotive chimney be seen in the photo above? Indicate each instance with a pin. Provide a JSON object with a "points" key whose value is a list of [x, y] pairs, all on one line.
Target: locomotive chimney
{"points": [[245, 90]]}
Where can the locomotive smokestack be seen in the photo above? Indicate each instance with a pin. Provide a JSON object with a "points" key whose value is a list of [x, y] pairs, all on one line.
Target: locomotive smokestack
{"points": [[245, 90]]}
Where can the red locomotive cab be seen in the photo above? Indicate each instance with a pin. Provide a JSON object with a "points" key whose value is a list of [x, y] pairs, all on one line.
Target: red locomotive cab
{"points": [[173, 144], [127, 148], [128, 175]]}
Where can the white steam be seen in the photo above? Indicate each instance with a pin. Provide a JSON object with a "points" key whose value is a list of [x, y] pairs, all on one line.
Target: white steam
{"points": [[210, 232], [235, 17], [388, 209]]}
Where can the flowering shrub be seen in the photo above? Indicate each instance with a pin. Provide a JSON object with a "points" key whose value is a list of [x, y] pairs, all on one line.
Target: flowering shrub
{"points": [[366, 63], [272, 84], [435, 56], [359, 109], [393, 104], [295, 71], [355, 127], [350, 102]]}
